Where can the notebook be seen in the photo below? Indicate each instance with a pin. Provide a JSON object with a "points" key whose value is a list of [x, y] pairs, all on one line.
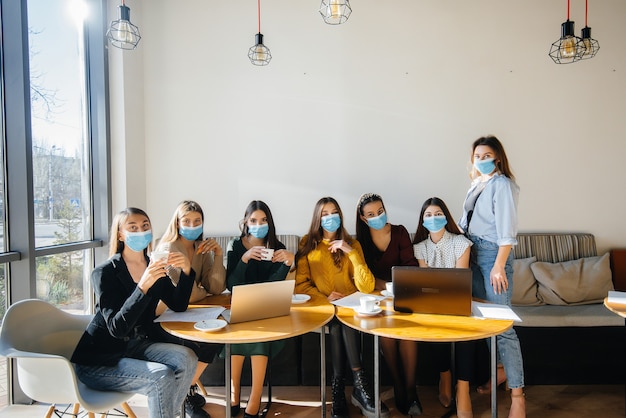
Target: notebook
{"points": [[446, 291], [250, 302]]}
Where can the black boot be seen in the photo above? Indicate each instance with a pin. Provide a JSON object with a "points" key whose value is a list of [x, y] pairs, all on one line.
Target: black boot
{"points": [[340, 405], [414, 405], [194, 398], [362, 397]]}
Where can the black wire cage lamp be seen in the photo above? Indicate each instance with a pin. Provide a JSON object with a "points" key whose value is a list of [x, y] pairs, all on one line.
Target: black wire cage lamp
{"points": [[564, 50], [259, 54], [121, 32], [587, 47], [335, 12]]}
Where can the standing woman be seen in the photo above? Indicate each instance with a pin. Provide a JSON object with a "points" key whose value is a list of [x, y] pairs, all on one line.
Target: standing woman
{"points": [[184, 236], [440, 244], [115, 351], [246, 265], [330, 264], [384, 246], [490, 222]]}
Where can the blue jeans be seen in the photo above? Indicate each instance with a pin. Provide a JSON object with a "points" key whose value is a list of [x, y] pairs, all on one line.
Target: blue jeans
{"points": [[163, 372], [483, 257]]}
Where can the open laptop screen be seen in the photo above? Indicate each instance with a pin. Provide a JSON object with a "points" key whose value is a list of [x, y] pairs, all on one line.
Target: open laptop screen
{"points": [[446, 291]]}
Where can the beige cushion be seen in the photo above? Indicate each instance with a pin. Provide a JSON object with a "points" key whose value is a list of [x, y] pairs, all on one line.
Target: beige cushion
{"points": [[524, 283], [576, 282]]}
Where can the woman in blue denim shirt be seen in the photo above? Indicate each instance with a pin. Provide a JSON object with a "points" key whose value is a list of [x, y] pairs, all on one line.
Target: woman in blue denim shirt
{"points": [[490, 222]]}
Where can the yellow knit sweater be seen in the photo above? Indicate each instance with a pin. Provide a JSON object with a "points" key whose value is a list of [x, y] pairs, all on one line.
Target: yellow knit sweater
{"points": [[317, 274]]}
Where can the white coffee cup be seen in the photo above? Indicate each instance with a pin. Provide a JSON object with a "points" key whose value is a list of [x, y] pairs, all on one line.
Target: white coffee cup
{"points": [[389, 287], [267, 254], [368, 303]]}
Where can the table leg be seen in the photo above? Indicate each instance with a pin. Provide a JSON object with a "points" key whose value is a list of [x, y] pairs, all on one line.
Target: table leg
{"points": [[227, 378], [376, 377], [323, 370], [494, 383]]}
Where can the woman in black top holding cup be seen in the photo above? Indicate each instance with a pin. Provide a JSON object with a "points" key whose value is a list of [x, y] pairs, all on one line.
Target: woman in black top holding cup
{"points": [[256, 256]]}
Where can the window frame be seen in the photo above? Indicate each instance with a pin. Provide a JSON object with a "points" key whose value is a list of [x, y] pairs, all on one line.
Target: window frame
{"points": [[21, 256]]}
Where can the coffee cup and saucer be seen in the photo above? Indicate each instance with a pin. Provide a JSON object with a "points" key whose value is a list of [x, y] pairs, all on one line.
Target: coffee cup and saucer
{"points": [[368, 306], [388, 292]]}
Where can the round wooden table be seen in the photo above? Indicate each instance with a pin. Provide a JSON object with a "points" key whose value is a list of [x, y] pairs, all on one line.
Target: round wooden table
{"points": [[303, 318], [425, 328]]}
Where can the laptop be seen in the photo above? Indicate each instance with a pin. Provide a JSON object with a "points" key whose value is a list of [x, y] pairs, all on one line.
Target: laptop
{"points": [[250, 302], [446, 291]]}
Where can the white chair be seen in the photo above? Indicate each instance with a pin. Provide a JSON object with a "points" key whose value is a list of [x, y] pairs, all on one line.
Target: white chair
{"points": [[42, 339]]}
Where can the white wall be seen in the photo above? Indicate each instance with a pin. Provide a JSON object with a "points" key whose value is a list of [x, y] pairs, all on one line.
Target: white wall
{"points": [[389, 102]]}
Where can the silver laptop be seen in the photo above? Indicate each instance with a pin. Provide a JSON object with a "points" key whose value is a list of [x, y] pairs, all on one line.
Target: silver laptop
{"points": [[446, 291], [250, 302]]}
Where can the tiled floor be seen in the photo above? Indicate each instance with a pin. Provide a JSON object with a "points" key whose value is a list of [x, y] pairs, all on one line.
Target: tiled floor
{"points": [[303, 402]]}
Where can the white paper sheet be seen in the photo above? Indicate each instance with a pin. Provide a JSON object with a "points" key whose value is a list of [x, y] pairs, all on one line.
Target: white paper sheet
{"points": [[617, 297], [353, 300], [190, 315], [494, 311]]}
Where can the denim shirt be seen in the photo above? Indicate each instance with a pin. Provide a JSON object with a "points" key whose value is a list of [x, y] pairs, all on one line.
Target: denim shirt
{"points": [[495, 213]]}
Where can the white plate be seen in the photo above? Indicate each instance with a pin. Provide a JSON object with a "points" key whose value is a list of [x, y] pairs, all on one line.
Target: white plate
{"points": [[370, 313], [386, 293], [300, 298], [209, 325]]}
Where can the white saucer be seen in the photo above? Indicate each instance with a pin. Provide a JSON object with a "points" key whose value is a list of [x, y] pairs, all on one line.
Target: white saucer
{"points": [[386, 293], [209, 325], [299, 298], [370, 313]]}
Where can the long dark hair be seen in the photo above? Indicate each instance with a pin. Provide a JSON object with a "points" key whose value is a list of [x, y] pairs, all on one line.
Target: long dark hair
{"points": [[422, 233], [363, 233], [316, 234], [115, 245], [501, 161], [270, 240]]}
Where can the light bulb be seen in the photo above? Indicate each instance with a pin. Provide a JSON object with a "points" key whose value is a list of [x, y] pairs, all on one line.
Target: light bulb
{"points": [[259, 53], [587, 47], [334, 9], [568, 47], [125, 33]]}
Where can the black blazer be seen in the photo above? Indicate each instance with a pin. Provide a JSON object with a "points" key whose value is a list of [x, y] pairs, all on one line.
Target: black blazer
{"points": [[123, 312]]}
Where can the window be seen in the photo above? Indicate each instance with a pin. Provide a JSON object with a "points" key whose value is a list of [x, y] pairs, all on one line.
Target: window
{"points": [[52, 224]]}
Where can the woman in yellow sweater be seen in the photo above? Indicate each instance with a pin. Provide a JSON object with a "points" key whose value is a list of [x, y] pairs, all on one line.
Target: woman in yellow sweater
{"points": [[331, 264]]}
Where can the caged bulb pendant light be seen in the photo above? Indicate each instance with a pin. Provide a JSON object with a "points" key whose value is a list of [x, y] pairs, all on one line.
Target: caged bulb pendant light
{"points": [[259, 54], [564, 50], [122, 33], [587, 47], [335, 12]]}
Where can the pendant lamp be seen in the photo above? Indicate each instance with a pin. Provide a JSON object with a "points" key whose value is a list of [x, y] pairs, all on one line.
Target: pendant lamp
{"points": [[587, 46], [335, 12], [122, 33], [259, 54], [564, 51]]}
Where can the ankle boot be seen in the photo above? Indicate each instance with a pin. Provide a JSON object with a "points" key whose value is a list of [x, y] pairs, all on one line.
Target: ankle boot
{"points": [[362, 397], [340, 405]]}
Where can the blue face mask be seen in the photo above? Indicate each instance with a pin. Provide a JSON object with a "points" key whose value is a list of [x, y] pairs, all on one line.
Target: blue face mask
{"points": [[435, 223], [331, 223], [138, 241], [485, 166], [190, 233], [378, 222], [259, 231]]}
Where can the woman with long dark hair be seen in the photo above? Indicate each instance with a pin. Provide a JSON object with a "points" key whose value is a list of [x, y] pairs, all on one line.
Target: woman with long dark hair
{"points": [[247, 263], [490, 222], [384, 246]]}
